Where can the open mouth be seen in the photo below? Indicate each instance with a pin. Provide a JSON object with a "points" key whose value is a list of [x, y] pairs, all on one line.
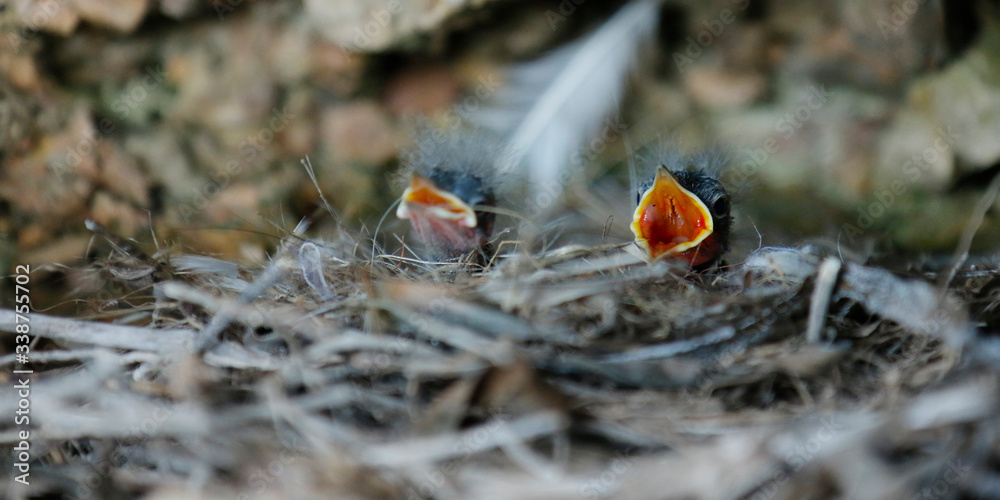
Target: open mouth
{"points": [[439, 218], [670, 220], [424, 197]]}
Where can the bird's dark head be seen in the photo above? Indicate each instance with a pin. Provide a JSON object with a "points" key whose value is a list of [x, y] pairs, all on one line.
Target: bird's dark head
{"points": [[683, 214], [452, 180], [444, 209]]}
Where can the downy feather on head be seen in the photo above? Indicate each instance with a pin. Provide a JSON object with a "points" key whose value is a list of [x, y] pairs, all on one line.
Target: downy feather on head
{"points": [[700, 172], [714, 160], [463, 152]]}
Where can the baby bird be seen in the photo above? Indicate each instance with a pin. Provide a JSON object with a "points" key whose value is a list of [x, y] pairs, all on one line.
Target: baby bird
{"points": [[547, 110], [452, 184], [683, 210]]}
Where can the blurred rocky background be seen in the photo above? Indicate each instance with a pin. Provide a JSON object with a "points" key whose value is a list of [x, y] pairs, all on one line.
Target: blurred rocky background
{"points": [[181, 124]]}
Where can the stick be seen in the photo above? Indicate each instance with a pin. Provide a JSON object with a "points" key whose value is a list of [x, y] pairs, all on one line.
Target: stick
{"points": [[101, 334]]}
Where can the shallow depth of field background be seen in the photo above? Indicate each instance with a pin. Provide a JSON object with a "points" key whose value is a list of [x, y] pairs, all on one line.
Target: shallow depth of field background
{"points": [[872, 125], [861, 364]]}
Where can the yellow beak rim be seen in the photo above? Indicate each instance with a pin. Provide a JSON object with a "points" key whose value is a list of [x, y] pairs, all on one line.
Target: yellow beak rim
{"points": [[668, 207], [435, 202]]}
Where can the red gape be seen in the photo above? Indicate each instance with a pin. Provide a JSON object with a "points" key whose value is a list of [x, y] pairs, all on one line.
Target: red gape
{"points": [[440, 219], [670, 221]]}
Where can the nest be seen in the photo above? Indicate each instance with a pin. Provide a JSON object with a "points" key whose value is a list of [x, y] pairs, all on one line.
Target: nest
{"points": [[339, 372]]}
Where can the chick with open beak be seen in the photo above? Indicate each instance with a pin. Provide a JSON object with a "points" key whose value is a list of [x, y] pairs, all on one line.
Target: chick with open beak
{"points": [[683, 211], [449, 195]]}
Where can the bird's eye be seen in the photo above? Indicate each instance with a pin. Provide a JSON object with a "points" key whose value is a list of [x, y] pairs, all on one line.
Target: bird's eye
{"points": [[721, 206]]}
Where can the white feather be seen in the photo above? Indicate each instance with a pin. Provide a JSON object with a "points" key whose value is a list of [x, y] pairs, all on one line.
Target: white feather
{"points": [[565, 96]]}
